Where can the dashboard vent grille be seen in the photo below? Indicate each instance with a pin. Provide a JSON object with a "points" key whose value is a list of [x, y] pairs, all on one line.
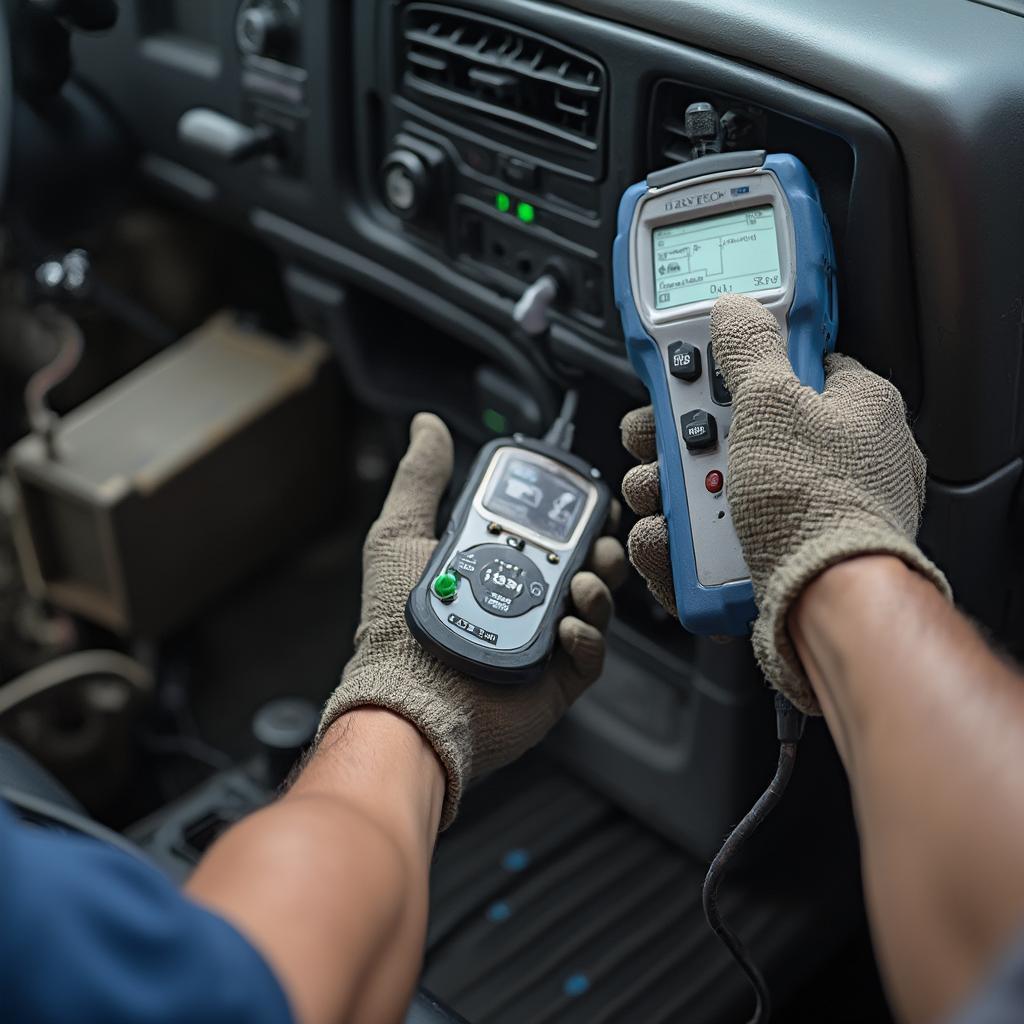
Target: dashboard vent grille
{"points": [[503, 71]]}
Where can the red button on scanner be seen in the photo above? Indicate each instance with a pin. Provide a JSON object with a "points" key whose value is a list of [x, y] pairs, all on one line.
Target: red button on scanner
{"points": [[714, 481]]}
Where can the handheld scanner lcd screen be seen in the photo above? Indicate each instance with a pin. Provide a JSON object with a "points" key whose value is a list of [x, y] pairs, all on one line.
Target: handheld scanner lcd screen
{"points": [[729, 223], [727, 252]]}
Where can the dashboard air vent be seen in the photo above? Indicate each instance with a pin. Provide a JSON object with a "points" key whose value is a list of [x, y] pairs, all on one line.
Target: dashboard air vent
{"points": [[502, 71]]}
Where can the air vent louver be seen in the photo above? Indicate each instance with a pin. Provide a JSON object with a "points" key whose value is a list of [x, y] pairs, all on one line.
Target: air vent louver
{"points": [[502, 71]]}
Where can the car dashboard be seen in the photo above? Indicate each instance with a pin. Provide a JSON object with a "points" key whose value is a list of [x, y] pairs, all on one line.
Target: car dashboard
{"points": [[417, 170], [443, 155]]}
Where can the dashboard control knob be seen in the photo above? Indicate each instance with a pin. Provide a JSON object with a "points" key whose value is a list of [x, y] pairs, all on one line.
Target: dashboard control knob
{"points": [[406, 182], [410, 180], [267, 28], [533, 310]]}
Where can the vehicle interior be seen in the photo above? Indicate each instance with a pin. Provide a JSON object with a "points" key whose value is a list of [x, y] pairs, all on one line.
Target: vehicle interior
{"points": [[244, 241]]}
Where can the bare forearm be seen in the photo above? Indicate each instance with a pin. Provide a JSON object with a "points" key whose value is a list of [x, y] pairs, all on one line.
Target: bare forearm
{"points": [[330, 882], [930, 725]]}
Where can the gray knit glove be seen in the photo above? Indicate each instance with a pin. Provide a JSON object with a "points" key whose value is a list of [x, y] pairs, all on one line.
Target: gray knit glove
{"points": [[474, 727], [812, 479]]}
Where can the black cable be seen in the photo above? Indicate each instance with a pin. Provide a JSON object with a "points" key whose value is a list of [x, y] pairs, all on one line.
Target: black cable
{"points": [[790, 727]]}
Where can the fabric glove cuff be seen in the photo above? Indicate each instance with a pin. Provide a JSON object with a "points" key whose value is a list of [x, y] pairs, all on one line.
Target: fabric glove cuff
{"points": [[446, 729]]}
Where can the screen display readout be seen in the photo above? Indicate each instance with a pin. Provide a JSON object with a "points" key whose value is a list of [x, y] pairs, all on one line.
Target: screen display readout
{"points": [[701, 259], [532, 495]]}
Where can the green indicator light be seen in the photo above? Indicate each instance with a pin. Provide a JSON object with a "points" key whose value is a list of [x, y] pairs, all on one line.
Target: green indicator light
{"points": [[503, 202], [525, 212], [493, 420], [445, 585]]}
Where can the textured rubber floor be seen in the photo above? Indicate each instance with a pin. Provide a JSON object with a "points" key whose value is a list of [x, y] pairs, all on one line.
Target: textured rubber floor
{"points": [[550, 905]]}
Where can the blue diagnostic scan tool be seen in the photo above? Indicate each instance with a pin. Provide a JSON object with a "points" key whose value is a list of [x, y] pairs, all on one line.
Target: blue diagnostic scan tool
{"points": [[730, 222]]}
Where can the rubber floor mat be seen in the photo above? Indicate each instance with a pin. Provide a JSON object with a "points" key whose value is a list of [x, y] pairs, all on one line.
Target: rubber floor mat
{"points": [[549, 905]]}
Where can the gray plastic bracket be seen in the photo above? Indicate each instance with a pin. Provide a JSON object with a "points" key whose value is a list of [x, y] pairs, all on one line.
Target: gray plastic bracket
{"points": [[716, 163]]}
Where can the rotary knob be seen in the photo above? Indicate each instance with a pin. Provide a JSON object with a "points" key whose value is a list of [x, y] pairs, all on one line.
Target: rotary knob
{"points": [[406, 182], [268, 28], [409, 177]]}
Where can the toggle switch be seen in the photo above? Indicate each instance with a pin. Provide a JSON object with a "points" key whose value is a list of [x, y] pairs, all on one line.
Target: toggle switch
{"points": [[221, 136], [533, 310]]}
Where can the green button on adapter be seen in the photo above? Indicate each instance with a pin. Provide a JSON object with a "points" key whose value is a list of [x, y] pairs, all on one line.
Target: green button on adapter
{"points": [[445, 585]]}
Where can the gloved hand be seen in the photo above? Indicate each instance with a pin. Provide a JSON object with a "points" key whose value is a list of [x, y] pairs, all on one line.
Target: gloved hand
{"points": [[812, 479], [474, 727]]}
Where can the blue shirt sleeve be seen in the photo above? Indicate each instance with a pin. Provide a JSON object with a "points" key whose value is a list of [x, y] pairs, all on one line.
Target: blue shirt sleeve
{"points": [[91, 934], [1000, 998]]}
